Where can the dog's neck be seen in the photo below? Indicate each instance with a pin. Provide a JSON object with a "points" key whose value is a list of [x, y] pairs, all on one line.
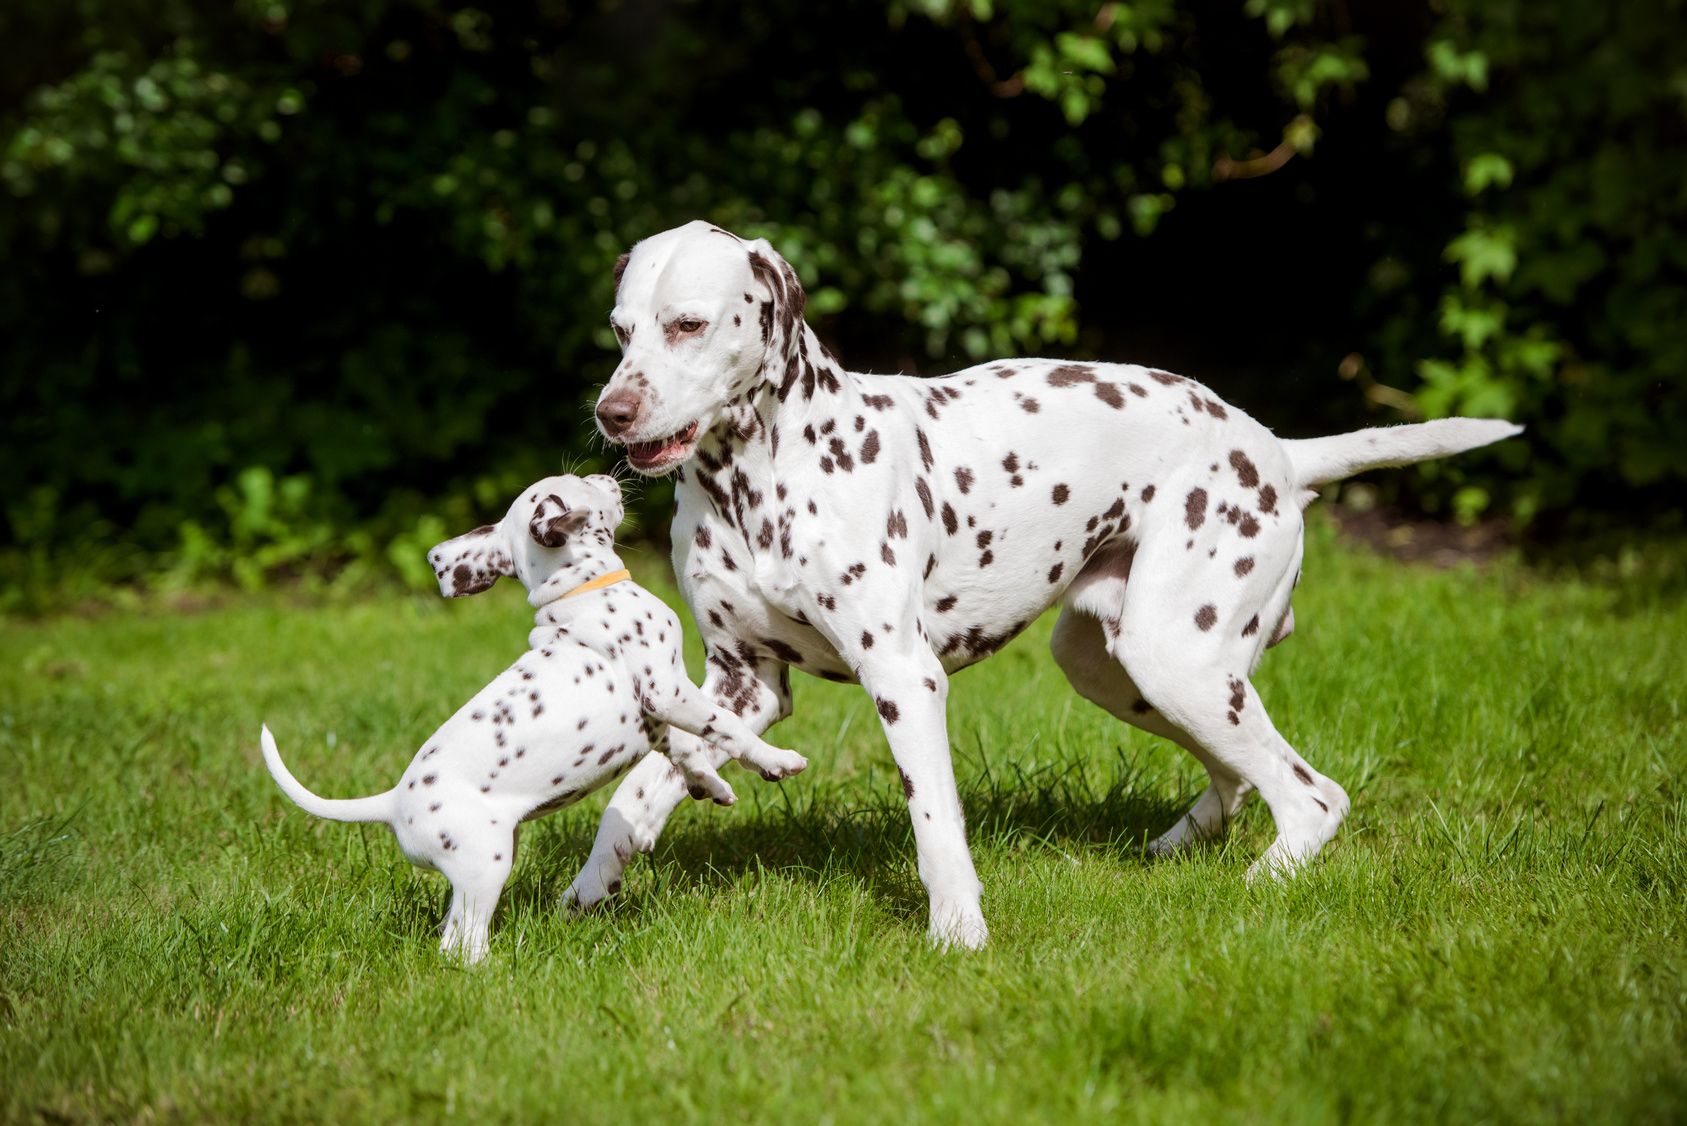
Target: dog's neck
{"points": [[784, 407], [587, 560]]}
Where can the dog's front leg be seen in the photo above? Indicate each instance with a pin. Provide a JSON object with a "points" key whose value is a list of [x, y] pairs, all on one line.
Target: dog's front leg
{"points": [[758, 692], [910, 691]]}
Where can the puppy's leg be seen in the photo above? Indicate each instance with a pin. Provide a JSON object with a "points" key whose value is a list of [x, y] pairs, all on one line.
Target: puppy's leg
{"points": [[681, 705], [1080, 649], [477, 868], [758, 692]]}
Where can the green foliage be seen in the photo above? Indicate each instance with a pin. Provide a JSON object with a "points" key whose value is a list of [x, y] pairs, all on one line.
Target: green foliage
{"points": [[286, 278], [1572, 266]]}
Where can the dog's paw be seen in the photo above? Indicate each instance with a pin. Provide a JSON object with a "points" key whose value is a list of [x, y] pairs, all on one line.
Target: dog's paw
{"points": [[775, 763], [465, 946], [957, 926], [1179, 838]]}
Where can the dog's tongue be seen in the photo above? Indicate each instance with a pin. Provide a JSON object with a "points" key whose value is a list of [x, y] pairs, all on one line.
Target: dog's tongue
{"points": [[653, 451], [647, 452]]}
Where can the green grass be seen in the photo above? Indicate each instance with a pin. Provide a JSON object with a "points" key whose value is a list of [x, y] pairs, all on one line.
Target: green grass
{"points": [[1497, 932]]}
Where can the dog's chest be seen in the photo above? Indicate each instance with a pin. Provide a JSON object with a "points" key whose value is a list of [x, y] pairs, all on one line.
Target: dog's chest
{"points": [[747, 588]]}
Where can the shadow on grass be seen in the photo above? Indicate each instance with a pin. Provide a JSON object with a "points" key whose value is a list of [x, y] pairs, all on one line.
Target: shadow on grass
{"points": [[819, 836]]}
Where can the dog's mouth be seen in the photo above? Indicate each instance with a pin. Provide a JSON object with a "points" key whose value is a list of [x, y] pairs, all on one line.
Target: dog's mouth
{"points": [[664, 453]]}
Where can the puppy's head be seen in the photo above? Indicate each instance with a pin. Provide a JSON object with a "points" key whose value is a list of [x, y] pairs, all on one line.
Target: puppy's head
{"points": [[701, 315], [544, 530]]}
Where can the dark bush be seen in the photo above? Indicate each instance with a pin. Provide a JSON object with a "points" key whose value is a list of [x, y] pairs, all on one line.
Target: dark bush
{"points": [[291, 284]]}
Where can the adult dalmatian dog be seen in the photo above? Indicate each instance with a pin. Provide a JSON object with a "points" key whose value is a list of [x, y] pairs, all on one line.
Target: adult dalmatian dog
{"points": [[891, 530]]}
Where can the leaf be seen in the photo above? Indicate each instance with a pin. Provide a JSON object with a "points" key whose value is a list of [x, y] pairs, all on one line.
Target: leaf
{"points": [[1483, 253], [1486, 170]]}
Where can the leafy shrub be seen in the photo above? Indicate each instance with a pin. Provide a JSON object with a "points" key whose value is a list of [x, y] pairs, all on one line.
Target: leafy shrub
{"points": [[293, 284]]}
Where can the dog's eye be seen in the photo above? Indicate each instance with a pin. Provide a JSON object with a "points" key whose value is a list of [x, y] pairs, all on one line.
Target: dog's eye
{"points": [[621, 334], [682, 328]]}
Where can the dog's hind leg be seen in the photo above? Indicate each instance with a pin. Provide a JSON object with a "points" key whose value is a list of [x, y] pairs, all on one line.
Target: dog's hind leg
{"points": [[1191, 629], [476, 884], [1080, 649]]}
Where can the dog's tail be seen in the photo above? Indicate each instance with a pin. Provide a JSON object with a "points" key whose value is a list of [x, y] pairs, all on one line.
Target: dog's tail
{"points": [[376, 807], [1318, 461]]}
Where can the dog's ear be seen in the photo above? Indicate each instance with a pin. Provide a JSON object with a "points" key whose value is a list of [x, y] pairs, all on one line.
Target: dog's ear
{"points": [[782, 312], [553, 522], [621, 268], [472, 562]]}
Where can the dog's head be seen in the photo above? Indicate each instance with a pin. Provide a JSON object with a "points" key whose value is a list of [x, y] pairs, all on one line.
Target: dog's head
{"points": [[543, 530], [702, 316]]}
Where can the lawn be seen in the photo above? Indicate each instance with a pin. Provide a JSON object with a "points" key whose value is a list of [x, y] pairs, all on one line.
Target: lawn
{"points": [[1499, 932]]}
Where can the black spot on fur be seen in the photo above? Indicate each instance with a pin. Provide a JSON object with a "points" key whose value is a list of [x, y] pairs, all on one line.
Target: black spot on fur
{"points": [[1246, 472], [1068, 375], [1195, 508]]}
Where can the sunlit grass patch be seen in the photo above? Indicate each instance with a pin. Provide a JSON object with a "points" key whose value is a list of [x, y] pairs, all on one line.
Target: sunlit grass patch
{"points": [[1497, 932]]}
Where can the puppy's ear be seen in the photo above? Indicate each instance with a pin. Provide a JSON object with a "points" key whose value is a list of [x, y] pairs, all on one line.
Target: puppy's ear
{"points": [[472, 562], [782, 313], [553, 522], [621, 268]]}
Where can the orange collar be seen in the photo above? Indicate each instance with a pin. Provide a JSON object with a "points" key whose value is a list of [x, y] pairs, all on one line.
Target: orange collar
{"points": [[600, 582]]}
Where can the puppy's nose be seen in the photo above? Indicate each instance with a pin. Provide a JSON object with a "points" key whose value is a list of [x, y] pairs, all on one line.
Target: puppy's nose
{"points": [[618, 412]]}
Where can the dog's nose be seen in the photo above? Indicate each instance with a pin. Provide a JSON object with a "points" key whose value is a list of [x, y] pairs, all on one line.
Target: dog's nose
{"points": [[616, 413]]}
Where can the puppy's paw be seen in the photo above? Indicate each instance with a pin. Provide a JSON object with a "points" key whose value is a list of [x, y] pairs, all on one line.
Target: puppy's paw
{"points": [[588, 892], [775, 763], [703, 782]]}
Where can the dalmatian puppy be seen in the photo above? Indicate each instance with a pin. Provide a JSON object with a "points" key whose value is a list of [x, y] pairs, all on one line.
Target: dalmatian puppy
{"points": [[891, 530], [601, 682]]}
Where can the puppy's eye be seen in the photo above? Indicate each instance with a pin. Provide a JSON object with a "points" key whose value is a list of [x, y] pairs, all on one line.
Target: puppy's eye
{"points": [[621, 334], [689, 324]]}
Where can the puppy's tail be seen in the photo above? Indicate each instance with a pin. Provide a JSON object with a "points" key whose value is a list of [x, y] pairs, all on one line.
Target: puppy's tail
{"points": [[1318, 461], [377, 807]]}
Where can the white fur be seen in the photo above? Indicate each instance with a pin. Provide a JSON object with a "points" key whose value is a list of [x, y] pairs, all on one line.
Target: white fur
{"points": [[602, 680], [891, 530]]}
